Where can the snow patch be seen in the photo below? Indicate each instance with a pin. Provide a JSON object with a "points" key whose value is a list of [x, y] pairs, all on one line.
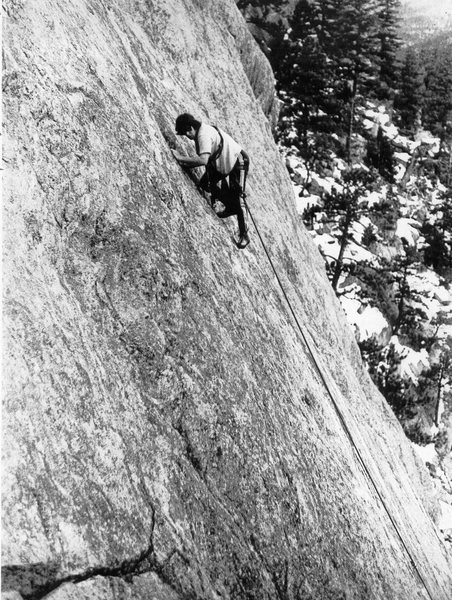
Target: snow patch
{"points": [[302, 203], [375, 198], [406, 230], [367, 320], [412, 362], [445, 519], [427, 453], [323, 184], [403, 157]]}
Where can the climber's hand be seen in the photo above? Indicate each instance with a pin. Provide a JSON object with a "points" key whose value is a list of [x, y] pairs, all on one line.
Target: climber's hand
{"points": [[177, 155]]}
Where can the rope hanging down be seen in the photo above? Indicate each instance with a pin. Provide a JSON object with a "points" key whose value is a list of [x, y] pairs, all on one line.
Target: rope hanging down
{"points": [[337, 409]]}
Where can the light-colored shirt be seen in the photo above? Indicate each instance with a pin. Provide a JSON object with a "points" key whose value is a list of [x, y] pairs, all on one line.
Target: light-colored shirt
{"points": [[208, 140]]}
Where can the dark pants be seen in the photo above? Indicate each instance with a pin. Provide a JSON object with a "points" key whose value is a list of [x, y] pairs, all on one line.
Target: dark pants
{"points": [[230, 193]]}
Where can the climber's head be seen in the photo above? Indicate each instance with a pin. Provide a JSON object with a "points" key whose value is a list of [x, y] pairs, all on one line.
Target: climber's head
{"points": [[186, 124]]}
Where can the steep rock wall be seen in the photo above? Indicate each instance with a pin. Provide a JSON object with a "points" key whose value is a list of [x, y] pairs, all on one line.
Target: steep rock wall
{"points": [[166, 433]]}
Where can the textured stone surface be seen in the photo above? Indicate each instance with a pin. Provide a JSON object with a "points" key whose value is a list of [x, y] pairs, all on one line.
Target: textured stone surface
{"points": [[164, 425]]}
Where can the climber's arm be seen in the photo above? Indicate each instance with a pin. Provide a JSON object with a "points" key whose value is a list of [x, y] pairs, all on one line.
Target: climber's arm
{"points": [[192, 161]]}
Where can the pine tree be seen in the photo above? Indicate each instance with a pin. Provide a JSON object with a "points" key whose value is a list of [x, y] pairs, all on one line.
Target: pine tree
{"points": [[410, 97], [389, 45], [332, 56], [380, 154], [437, 115], [384, 367], [433, 384], [356, 55], [375, 281], [410, 318], [344, 207], [438, 235], [305, 72]]}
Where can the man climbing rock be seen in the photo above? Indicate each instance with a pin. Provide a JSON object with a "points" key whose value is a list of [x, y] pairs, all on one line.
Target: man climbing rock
{"points": [[226, 168]]}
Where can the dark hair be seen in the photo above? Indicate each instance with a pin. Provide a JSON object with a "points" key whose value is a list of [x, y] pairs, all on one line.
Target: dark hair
{"points": [[184, 122]]}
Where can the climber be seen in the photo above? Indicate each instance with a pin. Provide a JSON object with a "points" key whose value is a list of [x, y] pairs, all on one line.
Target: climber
{"points": [[226, 168]]}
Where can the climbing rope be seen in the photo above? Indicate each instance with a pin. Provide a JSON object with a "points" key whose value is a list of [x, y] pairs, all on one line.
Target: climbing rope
{"points": [[337, 409]]}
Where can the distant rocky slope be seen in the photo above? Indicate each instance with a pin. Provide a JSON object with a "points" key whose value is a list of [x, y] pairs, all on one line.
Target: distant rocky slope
{"points": [[166, 432], [423, 18]]}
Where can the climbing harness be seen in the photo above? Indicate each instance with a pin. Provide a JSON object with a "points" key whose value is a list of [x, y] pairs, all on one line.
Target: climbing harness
{"points": [[211, 176], [244, 164], [213, 157], [338, 411]]}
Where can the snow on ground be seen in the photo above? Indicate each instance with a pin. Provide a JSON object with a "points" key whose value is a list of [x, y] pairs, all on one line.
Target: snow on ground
{"points": [[427, 453], [367, 320], [406, 229], [329, 246], [392, 133], [375, 118], [426, 137], [370, 125], [412, 362], [433, 297], [379, 115], [403, 157], [323, 184], [399, 172], [317, 184], [444, 332], [357, 253], [440, 188], [294, 163], [428, 282], [302, 203], [339, 166], [430, 306], [445, 520], [375, 198], [360, 227]]}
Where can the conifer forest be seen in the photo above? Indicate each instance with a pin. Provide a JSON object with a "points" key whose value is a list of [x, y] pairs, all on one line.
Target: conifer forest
{"points": [[365, 127]]}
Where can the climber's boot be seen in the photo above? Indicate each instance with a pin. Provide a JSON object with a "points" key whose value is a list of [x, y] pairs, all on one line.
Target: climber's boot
{"points": [[243, 240], [227, 212]]}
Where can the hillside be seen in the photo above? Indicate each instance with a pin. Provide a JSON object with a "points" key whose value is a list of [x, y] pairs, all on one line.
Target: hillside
{"points": [[167, 431], [423, 18], [392, 229]]}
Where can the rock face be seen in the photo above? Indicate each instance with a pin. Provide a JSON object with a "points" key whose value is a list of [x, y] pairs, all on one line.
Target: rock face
{"points": [[167, 435]]}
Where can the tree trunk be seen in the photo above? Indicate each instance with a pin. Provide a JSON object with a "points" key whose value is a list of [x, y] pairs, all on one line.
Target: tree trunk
{"points": [[351, 118], [438, 397], [450, 167], [409, 169], [401, 303], [340, 258]]}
